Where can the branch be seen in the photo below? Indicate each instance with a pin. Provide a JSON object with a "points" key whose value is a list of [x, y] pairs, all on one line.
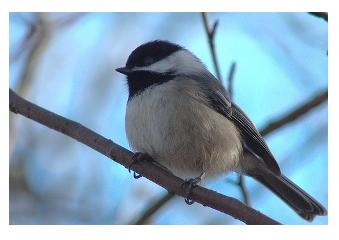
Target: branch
{"points": [[159, 203], [43, 32], [230, 79], [173, 184], [25, 42], [241, 184], [323, 15], [295, 113], [210, 35], [69, 20], [39, 33], [241, 180]]}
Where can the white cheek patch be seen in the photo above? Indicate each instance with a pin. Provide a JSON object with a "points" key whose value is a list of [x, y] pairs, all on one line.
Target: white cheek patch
{"points": [[181, 61]]}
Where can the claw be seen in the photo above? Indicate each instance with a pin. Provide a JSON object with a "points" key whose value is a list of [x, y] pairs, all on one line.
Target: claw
{"points": [[137, 157], [189, 184], [188, 200], [136, 175]]}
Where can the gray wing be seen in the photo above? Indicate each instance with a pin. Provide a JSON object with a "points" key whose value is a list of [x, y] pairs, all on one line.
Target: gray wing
{"points": [[253, 140], [220, 102]]}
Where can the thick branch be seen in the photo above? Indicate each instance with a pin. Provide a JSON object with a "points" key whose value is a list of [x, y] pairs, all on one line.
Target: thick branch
{"points": [[147, 169], [295, 113]]}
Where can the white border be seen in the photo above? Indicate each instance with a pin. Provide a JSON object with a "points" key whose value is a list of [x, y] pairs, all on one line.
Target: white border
{"points": [[173, 5]]}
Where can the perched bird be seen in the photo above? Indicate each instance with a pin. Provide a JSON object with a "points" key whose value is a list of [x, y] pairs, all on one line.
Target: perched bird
{"points": [[181, 115]]}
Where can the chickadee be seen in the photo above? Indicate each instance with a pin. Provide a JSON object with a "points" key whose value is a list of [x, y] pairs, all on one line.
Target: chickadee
{"points": [[182, 116]]}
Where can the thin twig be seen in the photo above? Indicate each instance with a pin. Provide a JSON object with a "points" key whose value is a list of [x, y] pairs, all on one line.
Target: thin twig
{"points": [[43, 33], [156, 174], [296, 113], [241, 180], [323, 15], [230, 79], [36, 33], [210, 36], [69, 19], [153, 208], [25, 41], [241, 184]]}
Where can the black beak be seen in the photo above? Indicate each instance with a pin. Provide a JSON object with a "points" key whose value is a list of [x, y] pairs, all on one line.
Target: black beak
{"points": [[124, 70]]}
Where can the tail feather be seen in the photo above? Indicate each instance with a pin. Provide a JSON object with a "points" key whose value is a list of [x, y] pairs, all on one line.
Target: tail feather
{"points": [[302, 203]]}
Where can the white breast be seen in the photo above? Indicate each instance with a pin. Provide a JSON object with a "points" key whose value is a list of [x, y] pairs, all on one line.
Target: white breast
{"points": [[172, 124]]}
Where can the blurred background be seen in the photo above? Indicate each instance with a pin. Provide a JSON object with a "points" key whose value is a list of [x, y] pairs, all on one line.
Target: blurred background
{"points": [[65, 63]]}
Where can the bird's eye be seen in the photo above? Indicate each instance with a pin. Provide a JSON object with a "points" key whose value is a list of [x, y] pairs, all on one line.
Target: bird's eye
{"points": [[148, 61]]}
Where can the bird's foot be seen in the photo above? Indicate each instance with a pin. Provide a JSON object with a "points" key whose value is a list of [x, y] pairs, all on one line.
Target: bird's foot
{"points": [[136, 158], [188, 185]]}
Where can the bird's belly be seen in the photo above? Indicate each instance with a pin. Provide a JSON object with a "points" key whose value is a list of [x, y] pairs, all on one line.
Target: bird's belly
{"points": [[182, 134]]}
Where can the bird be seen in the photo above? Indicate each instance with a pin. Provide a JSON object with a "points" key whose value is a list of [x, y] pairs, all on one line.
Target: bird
{"points": [[179, 114]]}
